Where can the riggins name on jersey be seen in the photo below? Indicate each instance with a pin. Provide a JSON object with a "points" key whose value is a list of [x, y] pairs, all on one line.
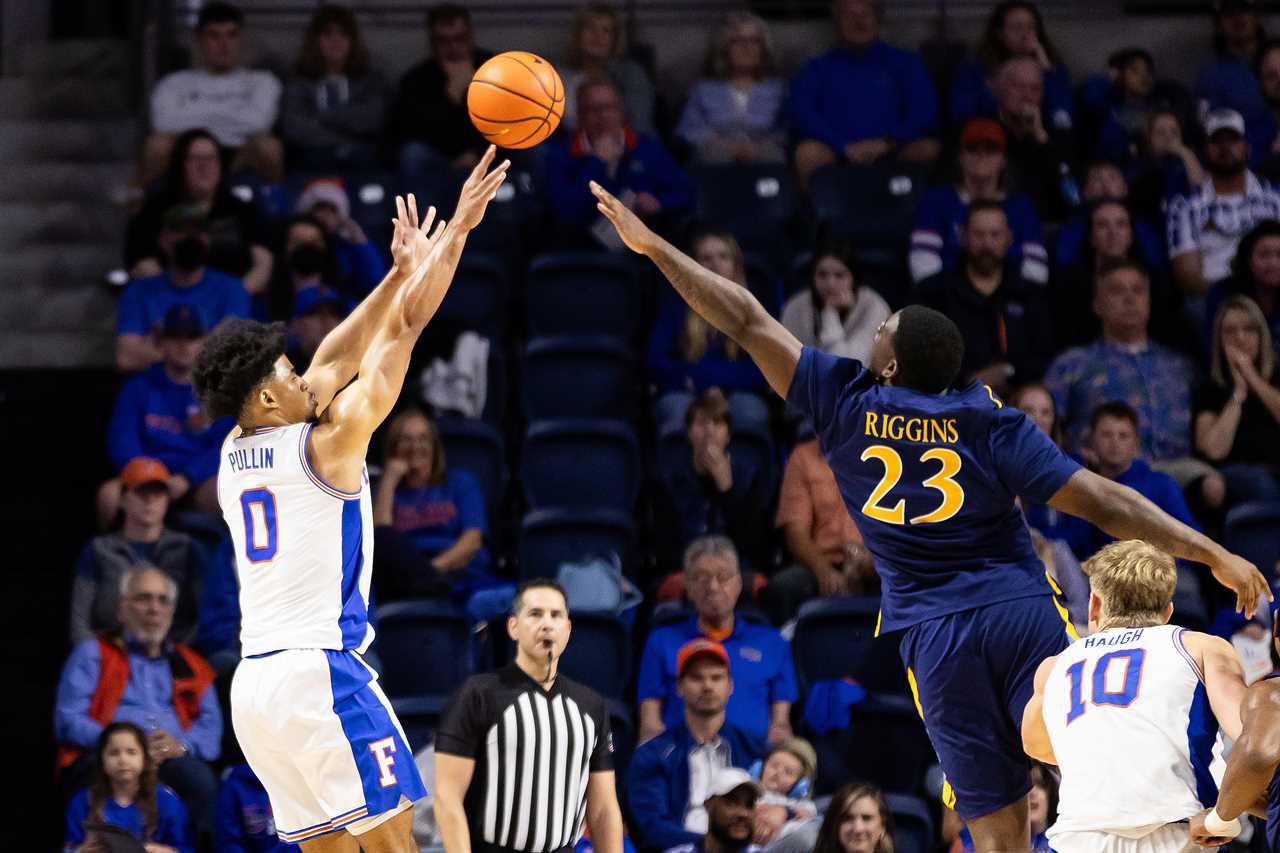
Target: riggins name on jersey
{"points": [[252, 458], [898, 427]]}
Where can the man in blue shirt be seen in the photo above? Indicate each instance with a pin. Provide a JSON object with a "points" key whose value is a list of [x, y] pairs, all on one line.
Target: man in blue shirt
{"points": [[186, 280], [931, 478], [764, 682], [1229, 80], [863, 100]]}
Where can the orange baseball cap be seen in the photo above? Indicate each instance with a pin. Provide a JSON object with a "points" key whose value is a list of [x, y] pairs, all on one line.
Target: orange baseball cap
{"points": [[142, 470], [982, 130], [694, 648]]}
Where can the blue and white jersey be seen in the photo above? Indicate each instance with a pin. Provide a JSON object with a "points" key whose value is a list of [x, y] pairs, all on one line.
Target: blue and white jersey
{"points": [[304, 550], [1133, 733]]}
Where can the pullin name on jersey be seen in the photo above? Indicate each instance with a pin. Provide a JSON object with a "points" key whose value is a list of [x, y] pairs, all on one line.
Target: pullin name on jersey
{"points": [[251, 458]]}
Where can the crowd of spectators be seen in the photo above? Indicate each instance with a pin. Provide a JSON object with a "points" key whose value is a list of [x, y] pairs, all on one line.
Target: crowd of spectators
{"points": [[1107, 240]]}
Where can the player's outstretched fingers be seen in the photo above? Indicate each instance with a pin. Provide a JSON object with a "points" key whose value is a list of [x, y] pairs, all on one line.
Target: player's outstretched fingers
{"points": [[429, 219], [400, 208], [413, 211]]}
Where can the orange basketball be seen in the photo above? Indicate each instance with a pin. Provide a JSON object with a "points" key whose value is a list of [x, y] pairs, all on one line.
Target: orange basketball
{"points": [[516, 99]]}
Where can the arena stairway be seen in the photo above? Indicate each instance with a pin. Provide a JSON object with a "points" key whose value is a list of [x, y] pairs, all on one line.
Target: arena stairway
{"points": [[68, 136]]}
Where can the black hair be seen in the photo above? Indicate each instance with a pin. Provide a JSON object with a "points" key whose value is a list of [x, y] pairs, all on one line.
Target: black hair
{"points": [[234, 361], [536, 583], [1122, 58], [173, 183], [443, 13], [929, 348], [984, 205], [1113, 409], [311, 64], [1242, 263], [219, 13], [991, 48]]}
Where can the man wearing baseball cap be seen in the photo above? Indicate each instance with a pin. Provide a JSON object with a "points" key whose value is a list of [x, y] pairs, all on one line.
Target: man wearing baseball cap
{"points": [[730, 807], [1229, 80], [671, 777], [1205, 226]]}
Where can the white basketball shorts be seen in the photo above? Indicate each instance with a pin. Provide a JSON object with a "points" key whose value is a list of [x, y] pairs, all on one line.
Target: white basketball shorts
{"points": [[1171, 838]]}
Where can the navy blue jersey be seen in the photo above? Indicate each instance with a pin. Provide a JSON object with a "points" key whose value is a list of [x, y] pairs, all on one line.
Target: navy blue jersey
{"points": [[931, 481]]}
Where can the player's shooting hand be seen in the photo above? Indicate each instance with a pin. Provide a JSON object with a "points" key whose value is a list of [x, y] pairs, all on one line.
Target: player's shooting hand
{"points": [[412, 241], [1241, 576], [638, 236], [479, 190]]}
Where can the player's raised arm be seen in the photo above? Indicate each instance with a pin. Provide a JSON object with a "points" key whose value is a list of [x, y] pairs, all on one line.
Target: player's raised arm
{"points": [[1253, 761], [1035, 735], [1125, 514], [726, 305]]}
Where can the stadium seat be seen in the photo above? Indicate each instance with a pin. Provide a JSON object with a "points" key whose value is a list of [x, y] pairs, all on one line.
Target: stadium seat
{"points": [[913, 824], [578, 462], [477, 299], [519, 201], [583, 293], [477, 447], [874, 206], [754, 201], [598, 653], [622, 727], [579, 377], [373, 204], [753, 446], [551, 537], [410, 632], [1252, 530], [763, 282], [418, 717], [847, 624]]}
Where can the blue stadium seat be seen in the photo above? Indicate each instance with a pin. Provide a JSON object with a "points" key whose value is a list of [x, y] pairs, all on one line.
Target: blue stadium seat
{"points": [[550, 537], [419, 717], [623, 729], [913, 824], [753, 446], [503, 230], [373, 204], [477, 447], [847, 624], [1252, 530], [598, 653], [477, 299], [578, 462], [583, 293], [763, 282], [874, 206], [579, 377], [410, 632], [754, 201]]}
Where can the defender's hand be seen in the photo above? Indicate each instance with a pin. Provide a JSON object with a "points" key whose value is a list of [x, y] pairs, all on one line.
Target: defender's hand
{"points": [[638, 236], [1243, 578]]}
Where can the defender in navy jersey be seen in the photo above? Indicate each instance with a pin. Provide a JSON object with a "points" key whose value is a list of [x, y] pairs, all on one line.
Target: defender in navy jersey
{"points": [[1251, 782], [931, 476]]}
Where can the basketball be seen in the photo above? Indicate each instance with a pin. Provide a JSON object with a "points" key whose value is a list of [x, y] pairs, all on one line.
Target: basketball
{"points": [[516, 99]]}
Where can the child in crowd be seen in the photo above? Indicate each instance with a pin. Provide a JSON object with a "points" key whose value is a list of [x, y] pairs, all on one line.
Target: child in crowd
{"points": [[786, 774]]}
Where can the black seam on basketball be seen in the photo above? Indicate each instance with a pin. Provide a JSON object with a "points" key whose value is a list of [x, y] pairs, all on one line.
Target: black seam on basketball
{"points": [[534, 74], [530, 135], [508, 91], [506, 120]]}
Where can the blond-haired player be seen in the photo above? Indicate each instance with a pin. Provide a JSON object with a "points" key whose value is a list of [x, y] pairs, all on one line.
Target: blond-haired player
{"points": [[1132, 713]]}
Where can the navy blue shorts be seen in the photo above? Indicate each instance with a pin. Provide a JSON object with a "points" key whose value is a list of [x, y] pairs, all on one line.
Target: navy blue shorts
{"points": [[972, 674]]}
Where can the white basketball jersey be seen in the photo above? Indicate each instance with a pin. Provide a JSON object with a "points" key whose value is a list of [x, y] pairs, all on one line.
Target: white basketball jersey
{"points": [[304, 550], [1131, 726]]}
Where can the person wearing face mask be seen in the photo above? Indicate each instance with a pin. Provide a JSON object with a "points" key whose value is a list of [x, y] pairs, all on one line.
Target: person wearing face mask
{"points": [[305, 261], [186, 280], [837, 314], [1005, 320], [359, 261]]}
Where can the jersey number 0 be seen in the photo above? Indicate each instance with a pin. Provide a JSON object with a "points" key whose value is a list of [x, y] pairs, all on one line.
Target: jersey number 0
{"points": [[261, 535], [952, 493]]}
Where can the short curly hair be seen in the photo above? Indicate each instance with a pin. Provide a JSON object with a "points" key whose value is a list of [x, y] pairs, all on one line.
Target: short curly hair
{"points": [[234, 361], [929, 349]]}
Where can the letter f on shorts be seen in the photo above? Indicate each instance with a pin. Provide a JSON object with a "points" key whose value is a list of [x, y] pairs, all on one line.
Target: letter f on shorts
{"points": [[382, 751]]}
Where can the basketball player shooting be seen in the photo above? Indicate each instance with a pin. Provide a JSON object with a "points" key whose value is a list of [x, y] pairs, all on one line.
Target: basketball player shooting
{"points": [[931, 476], [308, 712]]}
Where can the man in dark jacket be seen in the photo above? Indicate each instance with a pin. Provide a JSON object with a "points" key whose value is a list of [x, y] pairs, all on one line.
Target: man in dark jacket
{"points": [[670, 777]]}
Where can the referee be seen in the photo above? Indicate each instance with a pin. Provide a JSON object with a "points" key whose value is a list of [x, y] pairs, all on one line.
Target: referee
{"points": [[523, 755]]}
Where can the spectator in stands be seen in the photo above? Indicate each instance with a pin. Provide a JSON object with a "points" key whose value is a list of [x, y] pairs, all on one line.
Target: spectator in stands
{"points": [[759, 658], [1229, 81], [334, 103], [1125, 365], [1118, 108], [1111, 238], [239, 233], [140, 675], [186, 280], [306, 261], [428, 123], [838, 313], [317, 311], [858, 820], [158, 415], [1268, 73], [431, 518], [1206, 226], [237, 105], [245, 822], [935, 242], [1164, 167], [1106, 180], [1237, 420], [359, 261], [144, 489], [710, 491], [786, 781], [123, 791], [1014, 29], [822, 539], [895, 113], [671, 776], [595, 52], [1256, 274], [1005, 319], [605, 149], [686, 356], [1039, 155], [735, 113]]}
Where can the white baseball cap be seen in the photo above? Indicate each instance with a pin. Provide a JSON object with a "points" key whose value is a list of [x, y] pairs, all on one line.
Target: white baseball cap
{"points": [[729, 779], [1223, 119]]}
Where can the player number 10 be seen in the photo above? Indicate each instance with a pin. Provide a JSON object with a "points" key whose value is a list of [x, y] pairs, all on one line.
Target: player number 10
{"points": [[952, 493], [1120, 698]]}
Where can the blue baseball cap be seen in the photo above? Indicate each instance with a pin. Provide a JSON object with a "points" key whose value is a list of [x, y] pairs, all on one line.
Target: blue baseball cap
{"points": [[182, 321], [311, 298]]}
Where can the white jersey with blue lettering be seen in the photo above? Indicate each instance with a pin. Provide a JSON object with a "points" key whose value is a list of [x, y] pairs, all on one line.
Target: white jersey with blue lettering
{"points": [[304, 550], [1131, 727]]}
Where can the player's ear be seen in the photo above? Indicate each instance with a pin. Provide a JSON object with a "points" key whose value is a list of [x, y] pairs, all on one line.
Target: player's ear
{"points": [[1095, 608], [890, 370], [1168, 613], [267, 398]]}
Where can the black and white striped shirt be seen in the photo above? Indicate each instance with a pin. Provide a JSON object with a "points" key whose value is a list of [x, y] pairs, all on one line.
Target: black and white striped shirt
{"points": [[534, 750]]}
